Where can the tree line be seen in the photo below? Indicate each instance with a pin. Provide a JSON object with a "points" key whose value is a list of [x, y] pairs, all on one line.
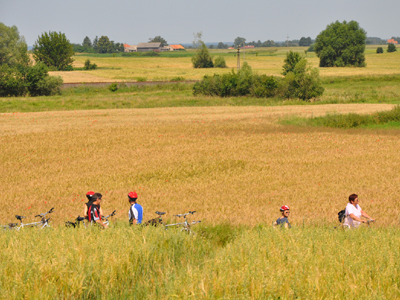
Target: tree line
{"points": [[99, 45]]}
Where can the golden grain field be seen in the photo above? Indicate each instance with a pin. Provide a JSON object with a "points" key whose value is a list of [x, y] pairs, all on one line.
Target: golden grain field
{"points": [[231, 164], [166, 68]]}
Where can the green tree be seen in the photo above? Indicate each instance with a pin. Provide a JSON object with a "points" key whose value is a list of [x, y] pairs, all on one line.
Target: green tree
{"points": [[290, 62], [221, 45], [87, 43], [54, 50], [158, 39], [341, 44], [13, 49], [202, 59], [305, 41], [379, 50], [391, 48], [95, 44], [239, 41], [104, 45]]}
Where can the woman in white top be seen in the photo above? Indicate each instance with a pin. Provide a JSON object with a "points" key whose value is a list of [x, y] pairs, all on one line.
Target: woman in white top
{"points": [[354, 212]]}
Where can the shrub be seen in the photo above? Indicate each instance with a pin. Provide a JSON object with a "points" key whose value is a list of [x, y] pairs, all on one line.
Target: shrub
{"points": [[202, 59], [264, 86], [113, 87], [141, 79], [89, 66], [311, 48], [220, 62], [177, 78], [379, 50], [303, 83], [39, 83], [11, 82], [391, 48], [237, 84], [292, 58]]}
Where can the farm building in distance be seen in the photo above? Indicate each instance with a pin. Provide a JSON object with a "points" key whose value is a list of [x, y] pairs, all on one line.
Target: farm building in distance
{"points": [[392, 41], [156, 47]]}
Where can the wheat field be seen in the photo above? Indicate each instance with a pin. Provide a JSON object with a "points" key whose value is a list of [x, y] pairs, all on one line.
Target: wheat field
{"points": [[231, 164]]}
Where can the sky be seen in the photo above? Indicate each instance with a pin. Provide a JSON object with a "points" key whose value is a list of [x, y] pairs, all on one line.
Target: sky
{"points": [[132, 21]]}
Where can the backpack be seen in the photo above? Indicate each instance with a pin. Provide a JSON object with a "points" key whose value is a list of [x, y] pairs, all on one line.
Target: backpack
{"points": [[342, 215]]}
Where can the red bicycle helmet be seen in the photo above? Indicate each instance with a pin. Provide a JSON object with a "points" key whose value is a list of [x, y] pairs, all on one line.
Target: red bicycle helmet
{"points": [[89, 195], [283, 208], [132, 195]]}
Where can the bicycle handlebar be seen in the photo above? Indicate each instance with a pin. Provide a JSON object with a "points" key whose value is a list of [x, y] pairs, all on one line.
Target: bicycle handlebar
{"points": [[160, 213], [183, 215], [42, 215], [110, 215], [19, 217]]}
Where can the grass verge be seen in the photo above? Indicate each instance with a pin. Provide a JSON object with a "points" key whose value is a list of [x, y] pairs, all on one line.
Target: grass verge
{"points": [[384, 119]]}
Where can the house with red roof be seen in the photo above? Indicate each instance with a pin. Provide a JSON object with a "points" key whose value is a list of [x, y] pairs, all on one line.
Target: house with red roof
{"points": [[392, 41]]}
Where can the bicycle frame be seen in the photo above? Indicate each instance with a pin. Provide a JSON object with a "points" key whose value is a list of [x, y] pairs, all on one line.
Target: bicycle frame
{"points": [[185, 224], [42, 223]]}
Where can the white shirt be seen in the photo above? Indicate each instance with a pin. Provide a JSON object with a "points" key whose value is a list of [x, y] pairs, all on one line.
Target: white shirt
{"points": [[355, 210]]}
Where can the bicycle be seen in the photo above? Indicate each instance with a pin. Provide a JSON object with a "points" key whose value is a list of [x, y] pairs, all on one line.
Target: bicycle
{"points": [[106, 222], [42, 223], [156, 221], [185, 224], [77, 222]]}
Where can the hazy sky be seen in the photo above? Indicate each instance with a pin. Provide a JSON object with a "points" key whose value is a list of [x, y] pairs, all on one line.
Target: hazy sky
{"points": [[132, 21]]}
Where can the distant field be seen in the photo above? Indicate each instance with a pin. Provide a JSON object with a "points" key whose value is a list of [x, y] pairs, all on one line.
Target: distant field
{"points": [[264, 60]]}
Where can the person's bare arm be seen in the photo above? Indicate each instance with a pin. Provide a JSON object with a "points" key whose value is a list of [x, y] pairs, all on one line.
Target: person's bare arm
{"points": [[365, 215], [101, 224], [134, 221], [101, 212], [356, 218], [85, 211]]}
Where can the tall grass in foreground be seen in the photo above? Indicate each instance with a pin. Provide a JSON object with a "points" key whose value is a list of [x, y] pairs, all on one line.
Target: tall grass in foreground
{"points": [[151, 263], [351, 120]]}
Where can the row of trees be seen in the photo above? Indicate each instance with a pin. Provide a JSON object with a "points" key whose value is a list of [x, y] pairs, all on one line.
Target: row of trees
{"points": [[99, 45]]}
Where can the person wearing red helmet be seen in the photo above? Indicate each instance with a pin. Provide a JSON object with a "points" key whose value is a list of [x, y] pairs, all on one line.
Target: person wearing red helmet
{"points": [[94, 211], [89, 195], [136, 210], [283, 221]]}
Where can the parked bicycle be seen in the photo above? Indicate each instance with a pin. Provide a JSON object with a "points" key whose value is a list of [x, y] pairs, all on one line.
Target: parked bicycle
{"points": [[77, 222], [105, 218], [44, 222], [156, 221], [186, 226]]}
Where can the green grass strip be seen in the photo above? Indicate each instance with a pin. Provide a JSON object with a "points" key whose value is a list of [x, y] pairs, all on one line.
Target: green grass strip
{"points": [[383, 119]]}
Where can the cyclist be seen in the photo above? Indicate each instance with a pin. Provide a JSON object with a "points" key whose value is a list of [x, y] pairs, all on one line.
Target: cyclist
{"points": [[354, 212], [94, 210], [283, 220], [135, 211], [89, 195]]}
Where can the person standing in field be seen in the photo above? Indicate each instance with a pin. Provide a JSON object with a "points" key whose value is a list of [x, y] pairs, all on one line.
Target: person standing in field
{"points": [[283, 221], [136, 210], [89, 195], [94, 210], [353, 213]]}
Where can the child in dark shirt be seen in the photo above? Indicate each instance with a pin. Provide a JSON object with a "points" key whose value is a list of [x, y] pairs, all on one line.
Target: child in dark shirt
{"points": [[283, 221]]}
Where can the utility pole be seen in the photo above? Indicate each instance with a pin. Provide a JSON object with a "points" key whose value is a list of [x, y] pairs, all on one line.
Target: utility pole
{"points": [[244, 52], [287, 40], [238, 58]]}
